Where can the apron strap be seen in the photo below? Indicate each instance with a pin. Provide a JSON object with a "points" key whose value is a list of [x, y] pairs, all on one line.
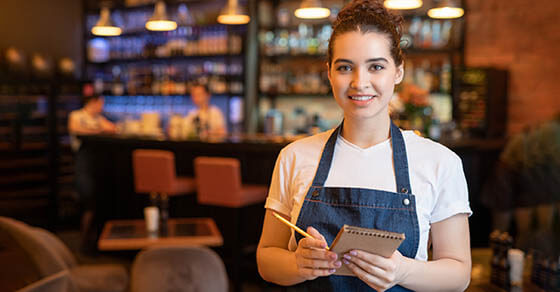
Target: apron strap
{"points": [[400, 160]]}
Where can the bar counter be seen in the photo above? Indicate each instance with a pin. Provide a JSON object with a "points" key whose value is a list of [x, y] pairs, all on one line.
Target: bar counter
{"points": [[111, 161]]}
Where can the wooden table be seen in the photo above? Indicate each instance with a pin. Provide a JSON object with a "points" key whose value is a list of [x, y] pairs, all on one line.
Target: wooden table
{"points": [[132, 234]]}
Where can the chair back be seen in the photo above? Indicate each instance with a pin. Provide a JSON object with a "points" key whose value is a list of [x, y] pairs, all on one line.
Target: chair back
{"points": [[45, 258], [181, 269], [59, 282], [154, 170], [218, 180]]}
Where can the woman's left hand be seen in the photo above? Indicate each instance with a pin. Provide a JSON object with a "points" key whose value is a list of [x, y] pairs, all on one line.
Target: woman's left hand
{"points": [[378, 272]]}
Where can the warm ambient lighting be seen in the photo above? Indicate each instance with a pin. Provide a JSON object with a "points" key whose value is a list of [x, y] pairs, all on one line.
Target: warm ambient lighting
{"points": [[312, 9], [159, 20], [446, 9], [403, 4], [232, 13], [104, 26]]}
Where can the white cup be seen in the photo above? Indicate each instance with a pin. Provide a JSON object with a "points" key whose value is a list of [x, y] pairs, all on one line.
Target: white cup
{"points": [[151, 215], [516, 258]]}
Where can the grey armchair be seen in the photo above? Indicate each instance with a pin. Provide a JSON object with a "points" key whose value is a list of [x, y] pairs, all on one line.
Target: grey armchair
{"points": [[178, 269], [46, 255]]}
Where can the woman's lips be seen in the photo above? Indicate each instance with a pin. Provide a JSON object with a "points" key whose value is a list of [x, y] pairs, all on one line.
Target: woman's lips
{"points": [[361, 97]]}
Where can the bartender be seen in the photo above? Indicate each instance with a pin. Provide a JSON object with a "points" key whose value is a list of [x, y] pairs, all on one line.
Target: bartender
{"points": [[87, 121], [206, 120]]}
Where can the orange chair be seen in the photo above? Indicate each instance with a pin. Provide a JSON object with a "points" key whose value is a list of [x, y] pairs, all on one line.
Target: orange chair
{"points": [[154, 173], [218, 182]]}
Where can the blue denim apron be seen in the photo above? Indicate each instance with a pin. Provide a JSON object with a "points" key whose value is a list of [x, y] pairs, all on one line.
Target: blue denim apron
{"points": [[328, 208]]}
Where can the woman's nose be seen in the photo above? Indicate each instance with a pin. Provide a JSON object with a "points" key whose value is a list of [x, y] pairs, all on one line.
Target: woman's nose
{"points": [[360, 80]]}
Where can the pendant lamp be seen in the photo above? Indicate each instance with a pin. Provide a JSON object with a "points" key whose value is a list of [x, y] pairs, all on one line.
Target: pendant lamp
{"points": [[105, 26], [312, 9], [446, 9], [159, 20], [232, 13], [402, 4]]}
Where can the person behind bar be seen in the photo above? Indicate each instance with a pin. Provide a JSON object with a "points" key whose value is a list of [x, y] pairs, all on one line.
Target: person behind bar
{"points": [[206, 120], [87, 121], [368, 173]]}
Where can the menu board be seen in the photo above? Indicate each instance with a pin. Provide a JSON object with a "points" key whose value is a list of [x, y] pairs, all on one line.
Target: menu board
{"points": [[481, 101]]}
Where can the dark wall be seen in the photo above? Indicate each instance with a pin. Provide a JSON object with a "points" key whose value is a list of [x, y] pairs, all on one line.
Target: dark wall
{"points": [[52, 27]]}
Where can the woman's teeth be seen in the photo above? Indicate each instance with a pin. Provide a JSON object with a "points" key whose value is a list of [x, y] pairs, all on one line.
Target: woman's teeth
{"points": [[362, 97]]}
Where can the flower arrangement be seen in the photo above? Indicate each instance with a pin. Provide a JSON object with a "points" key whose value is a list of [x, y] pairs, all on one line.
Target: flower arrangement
{"points": [[411, 107]]}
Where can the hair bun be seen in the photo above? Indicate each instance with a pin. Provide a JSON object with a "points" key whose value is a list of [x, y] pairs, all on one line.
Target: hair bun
{"points": [[370, 15]]}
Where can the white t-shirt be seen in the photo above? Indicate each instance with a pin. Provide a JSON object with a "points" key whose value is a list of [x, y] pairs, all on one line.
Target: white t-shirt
{"points": [[212, 119], [86, 121], [436, 177]]}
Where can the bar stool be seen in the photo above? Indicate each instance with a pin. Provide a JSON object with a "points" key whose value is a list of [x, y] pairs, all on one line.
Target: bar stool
{"points": [[154, 173], [218, 182]]}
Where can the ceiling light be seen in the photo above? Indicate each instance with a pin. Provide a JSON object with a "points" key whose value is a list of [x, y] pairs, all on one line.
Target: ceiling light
{"points": [[403, 4], [159, 20], [312, 9], [105, 26], [232, 13], [446, 9]]}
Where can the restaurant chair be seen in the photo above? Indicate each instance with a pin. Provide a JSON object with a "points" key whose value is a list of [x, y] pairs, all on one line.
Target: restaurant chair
{"points": [[218, 182], [59, 282], [236, 205], [180, 269], [47, 255], [154, 173]]}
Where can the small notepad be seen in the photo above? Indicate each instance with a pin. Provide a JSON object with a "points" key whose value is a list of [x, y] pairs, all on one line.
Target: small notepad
{"points": [[374, 241]]}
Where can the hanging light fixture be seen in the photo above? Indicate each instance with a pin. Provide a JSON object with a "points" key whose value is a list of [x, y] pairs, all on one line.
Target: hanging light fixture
{"points": [[159, 20], [105, 26], [312, 9], [446, 9], [402, 4], [232, 13]]}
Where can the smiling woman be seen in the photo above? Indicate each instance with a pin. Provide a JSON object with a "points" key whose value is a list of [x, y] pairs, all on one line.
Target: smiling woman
{"points": [[367, 173]]}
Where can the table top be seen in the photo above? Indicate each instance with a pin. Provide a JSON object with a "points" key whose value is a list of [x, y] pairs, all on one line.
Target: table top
{"points": [[132, 234]]}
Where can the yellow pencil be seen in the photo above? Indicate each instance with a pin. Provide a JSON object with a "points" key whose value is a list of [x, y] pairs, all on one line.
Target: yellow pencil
{"points": [[299, 230]]}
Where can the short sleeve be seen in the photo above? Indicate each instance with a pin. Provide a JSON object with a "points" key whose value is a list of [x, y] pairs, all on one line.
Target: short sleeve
{"points": [[220, 120], [452, 193], [278, 194]]}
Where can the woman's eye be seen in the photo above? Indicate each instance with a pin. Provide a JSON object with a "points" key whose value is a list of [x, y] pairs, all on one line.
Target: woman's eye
{"points": [[376, 67], [343, 68]]}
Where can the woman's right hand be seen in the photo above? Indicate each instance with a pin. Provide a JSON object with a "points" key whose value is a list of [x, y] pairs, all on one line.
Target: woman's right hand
{"points": [[313, 259]]}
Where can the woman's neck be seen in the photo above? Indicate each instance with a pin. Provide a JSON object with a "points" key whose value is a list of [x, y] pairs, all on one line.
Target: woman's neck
{"points": [[366, 133]]}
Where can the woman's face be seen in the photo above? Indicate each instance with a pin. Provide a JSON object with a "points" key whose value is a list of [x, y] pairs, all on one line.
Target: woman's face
{"points": [[363, 74]]}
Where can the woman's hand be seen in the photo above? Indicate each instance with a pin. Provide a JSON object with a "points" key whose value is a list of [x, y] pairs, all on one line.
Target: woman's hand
{"points": [[380, 273], [312, 258]]}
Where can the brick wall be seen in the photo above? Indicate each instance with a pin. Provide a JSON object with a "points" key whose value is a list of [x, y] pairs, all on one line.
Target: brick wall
{"points": [[522, 36]]}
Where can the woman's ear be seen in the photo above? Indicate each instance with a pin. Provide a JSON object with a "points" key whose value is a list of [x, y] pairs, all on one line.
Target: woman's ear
{"points": [[399, 74]]}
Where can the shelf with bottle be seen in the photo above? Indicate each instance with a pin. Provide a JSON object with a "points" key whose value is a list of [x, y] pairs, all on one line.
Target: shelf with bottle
{"points": [[168, 87], [305, 40], [294, 77], [168, 78], [424, 35], [183, 43]]}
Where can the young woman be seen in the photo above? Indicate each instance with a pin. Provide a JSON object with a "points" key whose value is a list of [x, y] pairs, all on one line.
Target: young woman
{"points": [[367, 173]]}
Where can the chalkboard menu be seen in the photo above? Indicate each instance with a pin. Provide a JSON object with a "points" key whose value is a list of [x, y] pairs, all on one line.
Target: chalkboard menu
{"points": [[480, 101]]}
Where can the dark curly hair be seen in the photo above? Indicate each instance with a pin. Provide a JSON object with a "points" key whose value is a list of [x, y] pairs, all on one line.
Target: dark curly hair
{"points": [[369, 16]]}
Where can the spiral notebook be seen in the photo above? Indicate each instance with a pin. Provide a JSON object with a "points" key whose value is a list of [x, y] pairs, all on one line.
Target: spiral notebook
{"points": [[375, 241]]}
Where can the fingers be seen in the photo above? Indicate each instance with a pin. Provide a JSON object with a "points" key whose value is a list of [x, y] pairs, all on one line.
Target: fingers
{"points": [[313, 232], [377, 271], [312, 258]]}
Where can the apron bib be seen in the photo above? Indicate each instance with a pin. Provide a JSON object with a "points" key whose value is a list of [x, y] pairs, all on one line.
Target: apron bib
{"points": [[328, 208]]}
